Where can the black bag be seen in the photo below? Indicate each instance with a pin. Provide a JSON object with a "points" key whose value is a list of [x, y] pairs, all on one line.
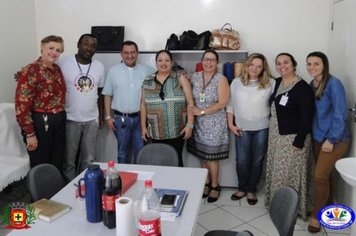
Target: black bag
{"points": [[110, 38], [172, 42], [204, 40], [189, 40]]}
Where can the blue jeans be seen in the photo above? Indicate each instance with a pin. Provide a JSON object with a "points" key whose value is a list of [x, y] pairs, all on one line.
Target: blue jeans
{"points": [[129, 140], [250, 151]]}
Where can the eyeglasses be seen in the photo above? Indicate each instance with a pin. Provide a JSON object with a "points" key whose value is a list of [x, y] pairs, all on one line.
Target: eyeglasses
{"points": [[209, 60]]}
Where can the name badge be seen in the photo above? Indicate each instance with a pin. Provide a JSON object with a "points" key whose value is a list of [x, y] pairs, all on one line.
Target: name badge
{"points": [[201, 97], [283, 100]]}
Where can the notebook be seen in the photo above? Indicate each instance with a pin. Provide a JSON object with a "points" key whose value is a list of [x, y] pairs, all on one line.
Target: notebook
{"points": [[49, 210]]}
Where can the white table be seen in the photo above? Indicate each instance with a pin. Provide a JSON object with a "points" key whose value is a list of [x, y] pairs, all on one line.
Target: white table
{"points": [[75, 223]]}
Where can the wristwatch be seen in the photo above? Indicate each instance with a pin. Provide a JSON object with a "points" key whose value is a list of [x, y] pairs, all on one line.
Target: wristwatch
{"points": [[107, 117], [202, 112]]}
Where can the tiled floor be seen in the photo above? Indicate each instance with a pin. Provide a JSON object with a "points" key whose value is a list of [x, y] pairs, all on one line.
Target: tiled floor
{"points": [[223, 214], [238, 215]]}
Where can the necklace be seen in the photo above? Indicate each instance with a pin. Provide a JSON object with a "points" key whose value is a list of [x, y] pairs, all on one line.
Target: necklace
{"points": [[84, 82], [204, 86]]}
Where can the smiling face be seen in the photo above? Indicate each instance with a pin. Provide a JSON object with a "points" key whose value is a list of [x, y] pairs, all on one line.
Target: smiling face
{"points": [[50, 52], [315, 67], [209, 62], [255, 69], [129, 55], [87, 48], [284, 66], [163, 63]]}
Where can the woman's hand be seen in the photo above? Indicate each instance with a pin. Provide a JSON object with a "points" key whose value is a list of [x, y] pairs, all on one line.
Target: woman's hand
{"points": [[145, 134], [194, 111], [187, 133], [32, 142], [327, 146], [236, 130]]}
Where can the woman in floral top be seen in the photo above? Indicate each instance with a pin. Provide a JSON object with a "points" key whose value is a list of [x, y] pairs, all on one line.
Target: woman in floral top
{"points": [[39, 104]]}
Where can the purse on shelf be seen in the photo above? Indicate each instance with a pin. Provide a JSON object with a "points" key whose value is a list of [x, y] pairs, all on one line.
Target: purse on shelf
{"points": [[109, 38], [225, 38]]}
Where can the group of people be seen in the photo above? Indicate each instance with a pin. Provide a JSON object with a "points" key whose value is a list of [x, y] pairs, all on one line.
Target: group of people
{"points": [[285, 119]]}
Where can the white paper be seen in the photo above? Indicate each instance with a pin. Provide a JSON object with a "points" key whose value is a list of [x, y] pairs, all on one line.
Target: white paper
{"points": [[124, 217]]}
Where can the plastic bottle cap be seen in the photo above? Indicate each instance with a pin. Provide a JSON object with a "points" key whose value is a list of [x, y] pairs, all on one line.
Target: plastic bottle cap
{"points": [[93, 166], [148, 183], [111, 164]]}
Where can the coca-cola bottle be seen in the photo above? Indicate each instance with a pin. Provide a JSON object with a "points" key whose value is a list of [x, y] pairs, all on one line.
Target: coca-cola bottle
{"points": [[112, 190], [148, 212]]}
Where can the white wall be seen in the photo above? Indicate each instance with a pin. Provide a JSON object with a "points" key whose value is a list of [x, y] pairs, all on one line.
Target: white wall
{"points": [[18, 45], [342, 57], [268, 27], [265, 26]]}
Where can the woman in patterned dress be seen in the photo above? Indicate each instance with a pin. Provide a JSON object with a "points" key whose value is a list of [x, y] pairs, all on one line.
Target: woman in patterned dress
{"points": [[39, 104], [289, 142], [210, 140], [165, 97]]}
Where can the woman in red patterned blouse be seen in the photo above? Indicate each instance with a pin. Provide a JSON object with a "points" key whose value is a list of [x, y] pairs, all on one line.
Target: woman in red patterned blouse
{"points": [[39, 103]]}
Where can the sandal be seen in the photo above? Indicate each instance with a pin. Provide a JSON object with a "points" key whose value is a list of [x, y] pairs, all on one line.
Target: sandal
{"points": [[251, 200], [216, 189], [207, 189], [236, 196]]}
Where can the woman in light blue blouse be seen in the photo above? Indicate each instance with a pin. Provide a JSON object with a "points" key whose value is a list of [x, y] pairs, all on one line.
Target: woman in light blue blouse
{"points": [[331, 135]]}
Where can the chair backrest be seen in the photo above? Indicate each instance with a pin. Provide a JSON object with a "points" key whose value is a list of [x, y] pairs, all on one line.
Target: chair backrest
{"points": [[284, 209], [44, 181], [159, 154]]}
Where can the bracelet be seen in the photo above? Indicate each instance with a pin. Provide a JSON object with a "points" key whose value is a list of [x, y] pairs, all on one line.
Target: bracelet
{"points": [[31, 135], [190, 126], [107, 117]]}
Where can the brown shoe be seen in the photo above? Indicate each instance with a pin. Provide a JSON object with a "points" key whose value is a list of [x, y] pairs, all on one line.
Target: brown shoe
{"points": [[314, 226]]}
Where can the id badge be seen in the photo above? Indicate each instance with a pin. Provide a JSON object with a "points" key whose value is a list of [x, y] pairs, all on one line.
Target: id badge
{"points": [[201, 97], [283, 100]]}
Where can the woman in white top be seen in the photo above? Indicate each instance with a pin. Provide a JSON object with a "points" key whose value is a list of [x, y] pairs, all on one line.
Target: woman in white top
{"points": [[248, 118]]}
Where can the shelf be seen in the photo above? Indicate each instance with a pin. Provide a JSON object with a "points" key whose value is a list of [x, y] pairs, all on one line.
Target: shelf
{"points": [[196, 51]]}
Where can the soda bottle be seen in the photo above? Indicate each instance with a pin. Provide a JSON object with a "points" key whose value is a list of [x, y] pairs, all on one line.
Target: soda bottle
{"points": [[148, 212], [111, 191]]}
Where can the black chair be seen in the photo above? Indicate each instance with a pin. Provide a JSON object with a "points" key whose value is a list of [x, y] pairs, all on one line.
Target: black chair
{"points": [[159, 154], [283, 212], [44, 181]]}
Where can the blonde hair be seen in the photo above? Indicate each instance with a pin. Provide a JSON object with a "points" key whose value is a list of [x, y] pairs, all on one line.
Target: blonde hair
{"points": [[265, 75], [53, 38]]}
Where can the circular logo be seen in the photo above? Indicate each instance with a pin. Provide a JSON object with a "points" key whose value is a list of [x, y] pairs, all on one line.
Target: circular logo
{"points": [[336, 216]]}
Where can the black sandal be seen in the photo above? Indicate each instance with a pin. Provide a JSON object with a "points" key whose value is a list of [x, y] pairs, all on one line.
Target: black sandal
{"points": [[217, 189], [207, 189], [236, 197]]}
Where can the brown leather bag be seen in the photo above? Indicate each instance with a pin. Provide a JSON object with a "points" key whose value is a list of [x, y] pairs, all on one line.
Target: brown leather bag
{"points": [[225, 38]]}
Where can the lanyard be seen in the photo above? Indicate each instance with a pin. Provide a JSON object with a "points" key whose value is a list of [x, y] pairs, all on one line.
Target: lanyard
{"points": [[80, 69]]}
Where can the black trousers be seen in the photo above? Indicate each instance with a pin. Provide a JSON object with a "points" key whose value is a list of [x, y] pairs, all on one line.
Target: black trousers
{"points": [[51, 143], [177, 143]]}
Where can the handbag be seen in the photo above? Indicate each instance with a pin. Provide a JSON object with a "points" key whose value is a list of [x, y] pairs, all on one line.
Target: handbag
{"points": [[225, 38], [109, 38]]}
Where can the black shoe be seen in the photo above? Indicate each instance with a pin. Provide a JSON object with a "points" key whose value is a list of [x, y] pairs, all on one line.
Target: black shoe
{"points": [[234, 196], [207, 189], [252, 201], [214, 199]]}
